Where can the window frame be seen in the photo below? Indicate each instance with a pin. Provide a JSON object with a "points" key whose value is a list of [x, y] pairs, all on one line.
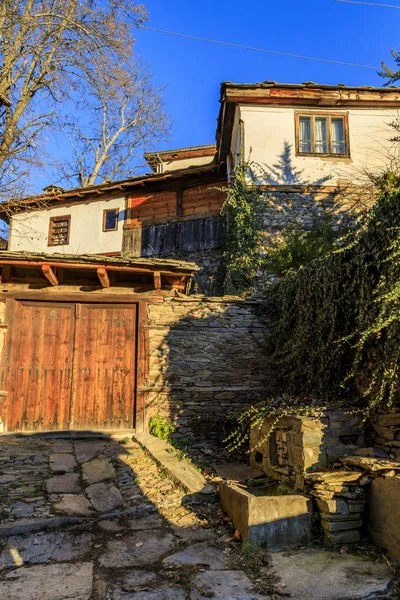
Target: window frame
{"points": [[57, 219], [105, 211], [329, 116]]}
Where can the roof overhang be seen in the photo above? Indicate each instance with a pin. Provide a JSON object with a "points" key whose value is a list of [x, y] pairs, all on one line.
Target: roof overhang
{"points": [[91, 272], [154, 158], [307, 94], [177, 179]]}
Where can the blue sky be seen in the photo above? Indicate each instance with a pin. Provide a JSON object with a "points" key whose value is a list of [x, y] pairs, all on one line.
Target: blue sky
{"points": [[192, 70]]}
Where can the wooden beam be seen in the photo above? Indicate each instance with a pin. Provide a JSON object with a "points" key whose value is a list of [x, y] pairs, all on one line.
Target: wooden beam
{"points": [[5, 273], [50, 274], [103, 277], [157, 280]]}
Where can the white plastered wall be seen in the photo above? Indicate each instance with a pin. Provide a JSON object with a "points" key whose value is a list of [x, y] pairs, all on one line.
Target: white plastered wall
{"points": [[185, 163], [29, 231], [268, 128]]}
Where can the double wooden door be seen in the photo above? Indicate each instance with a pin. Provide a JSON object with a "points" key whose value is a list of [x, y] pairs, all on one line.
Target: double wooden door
{"points": [[69, 366]]}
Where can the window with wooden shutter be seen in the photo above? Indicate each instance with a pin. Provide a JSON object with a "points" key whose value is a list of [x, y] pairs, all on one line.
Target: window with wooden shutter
{"points": [[59, 230]]}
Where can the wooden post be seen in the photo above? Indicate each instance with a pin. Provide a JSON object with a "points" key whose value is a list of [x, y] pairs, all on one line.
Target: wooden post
{"points": [[50, 274], [103, 277], [157, 280]]}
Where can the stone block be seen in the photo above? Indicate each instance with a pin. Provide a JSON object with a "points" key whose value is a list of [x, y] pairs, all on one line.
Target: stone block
{"points": [[389, 420], [382, 514], [338, 538], [385, 432], [277, 521], [340, 525], [333, 506]]}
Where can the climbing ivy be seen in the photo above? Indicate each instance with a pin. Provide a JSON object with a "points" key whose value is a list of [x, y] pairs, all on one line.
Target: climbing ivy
{"points": [[335, 324], [242, 243]]}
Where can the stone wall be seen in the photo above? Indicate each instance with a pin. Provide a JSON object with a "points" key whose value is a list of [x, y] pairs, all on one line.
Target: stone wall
{"points": [[298, 445], [206, 360], [385, 432]]}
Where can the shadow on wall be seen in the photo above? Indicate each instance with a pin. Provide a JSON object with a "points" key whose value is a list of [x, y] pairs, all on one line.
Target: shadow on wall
{"points": [[207, 360], [285, 173]]}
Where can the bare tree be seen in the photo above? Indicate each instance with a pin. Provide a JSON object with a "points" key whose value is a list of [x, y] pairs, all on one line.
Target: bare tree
{"points": [[122, 111], [47, 48]]}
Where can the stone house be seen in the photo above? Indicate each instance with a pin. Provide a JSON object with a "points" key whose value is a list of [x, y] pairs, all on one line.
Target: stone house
{"points": [[97, 329]]}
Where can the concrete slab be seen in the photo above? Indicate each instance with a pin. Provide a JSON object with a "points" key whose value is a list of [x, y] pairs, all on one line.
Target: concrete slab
{"points": [[320, 575], [49, 582], [180, 471], [223, 585], [137, 549], [104, 497], [97, 470], [199, 554]]}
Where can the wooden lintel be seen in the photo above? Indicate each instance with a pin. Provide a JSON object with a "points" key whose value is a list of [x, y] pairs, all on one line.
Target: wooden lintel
{"points": [[50, 275], [103, 277], [157, 280]]}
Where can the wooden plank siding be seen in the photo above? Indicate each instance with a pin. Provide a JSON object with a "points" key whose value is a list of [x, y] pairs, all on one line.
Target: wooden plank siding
{"points": [[172, 238], [165, 223]]}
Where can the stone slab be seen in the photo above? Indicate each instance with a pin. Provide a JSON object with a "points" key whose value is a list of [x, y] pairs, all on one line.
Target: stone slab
{"points": [[237, 471], [104, 497], [32, 525], [164, 592], [45, 547], [68, 483], [137, 549], [153, 521], [382, 514], [200, 554], [73, 504], [49, 582], [181, 471], [62, 462], [321, 575], [223, 585], [97, 470], [373, 465], [85, 451]]}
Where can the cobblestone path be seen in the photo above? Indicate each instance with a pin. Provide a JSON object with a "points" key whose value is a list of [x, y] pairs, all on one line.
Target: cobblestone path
{"points": [[96, 520]]}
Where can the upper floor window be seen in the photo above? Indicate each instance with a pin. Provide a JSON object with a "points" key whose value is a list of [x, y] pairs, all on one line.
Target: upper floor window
{"points": [[110, 219], [321, 133], [59, 230]]}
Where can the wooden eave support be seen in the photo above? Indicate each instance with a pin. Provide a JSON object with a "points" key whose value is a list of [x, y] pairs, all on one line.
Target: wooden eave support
{"points": [[157, 280], [103, 277], [50, 275]]}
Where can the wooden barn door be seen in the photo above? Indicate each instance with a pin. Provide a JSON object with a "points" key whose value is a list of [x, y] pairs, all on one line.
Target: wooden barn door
{"points": [[37, 365], [69, 366], [104, 367]]}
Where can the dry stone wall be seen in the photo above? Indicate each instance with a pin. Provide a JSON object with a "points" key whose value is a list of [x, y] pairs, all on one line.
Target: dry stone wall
{"points": [[207, 360]]}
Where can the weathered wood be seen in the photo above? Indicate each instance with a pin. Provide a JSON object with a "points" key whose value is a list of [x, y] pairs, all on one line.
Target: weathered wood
{"points": [[157, 280], [50, 275], [142, 366], [6, 273], [103, 277], [103, 392], [65, 294]]}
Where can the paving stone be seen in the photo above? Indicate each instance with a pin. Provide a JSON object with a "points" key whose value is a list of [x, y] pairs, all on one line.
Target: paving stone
{"points": [[85, 451], [49, 582], [68, 483], [199, 554], [194, 534], [137, 549], [333, 576], [62, 463], [104, 496], [165, 592], [62, 446], [22, 510], [153, 521], [124, 586], [73, 504], [111, 526], [97, 470], [43, 547], [223, 585]]}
